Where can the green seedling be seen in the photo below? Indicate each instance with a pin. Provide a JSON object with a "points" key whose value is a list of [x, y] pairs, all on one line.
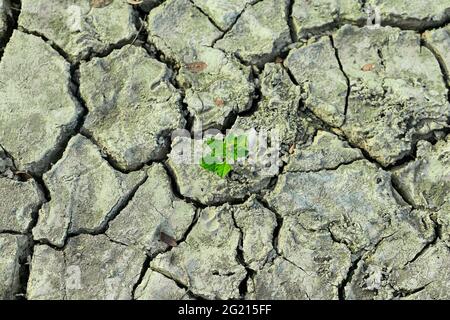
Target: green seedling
{"points": [[233, 147]]}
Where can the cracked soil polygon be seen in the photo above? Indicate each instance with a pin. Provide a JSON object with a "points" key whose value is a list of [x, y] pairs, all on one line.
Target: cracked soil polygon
{"points": [[96, 204]]}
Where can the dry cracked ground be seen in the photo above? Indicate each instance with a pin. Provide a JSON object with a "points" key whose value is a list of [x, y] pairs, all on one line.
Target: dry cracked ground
{"points": [[92, 205]]}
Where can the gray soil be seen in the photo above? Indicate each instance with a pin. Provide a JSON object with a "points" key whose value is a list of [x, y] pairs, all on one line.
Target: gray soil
{"points": [[93, 204]]}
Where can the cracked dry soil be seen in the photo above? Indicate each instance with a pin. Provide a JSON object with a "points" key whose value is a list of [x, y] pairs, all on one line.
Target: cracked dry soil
{"points": [[90, 92]]}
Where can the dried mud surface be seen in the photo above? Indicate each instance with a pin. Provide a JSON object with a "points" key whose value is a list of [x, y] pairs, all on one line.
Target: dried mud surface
{"points": [[93, 205]]}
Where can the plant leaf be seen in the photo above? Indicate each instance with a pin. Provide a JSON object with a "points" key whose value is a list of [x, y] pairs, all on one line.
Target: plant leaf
{"points": [[235, 146], [221, 169], [208, 166]]}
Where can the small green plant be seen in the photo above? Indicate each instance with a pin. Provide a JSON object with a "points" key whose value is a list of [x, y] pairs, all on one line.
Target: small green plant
{"points": [[234, 147]]}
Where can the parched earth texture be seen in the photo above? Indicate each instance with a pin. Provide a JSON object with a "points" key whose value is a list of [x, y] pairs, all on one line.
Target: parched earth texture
{"points": [[93, 205]]}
